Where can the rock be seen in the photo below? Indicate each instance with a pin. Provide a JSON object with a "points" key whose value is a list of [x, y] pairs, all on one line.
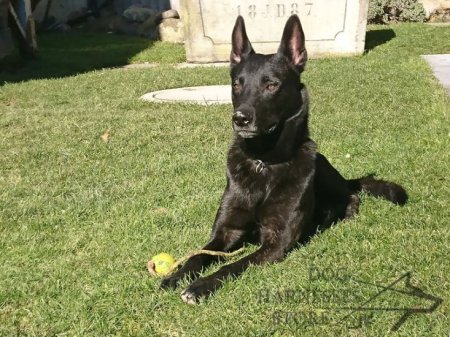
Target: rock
{"points": [[107, 11], [149, 29], [127, 28], [171, 13], [171, 30], [102, 24], [121, 5], [114, 24], [122, 26], [139, 14], [76, 14], [60, 9], [432, 6], [64, 27], [441, 15]]}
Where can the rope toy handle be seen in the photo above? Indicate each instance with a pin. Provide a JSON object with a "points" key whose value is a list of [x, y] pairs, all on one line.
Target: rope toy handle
{"points": [[151, 264]]}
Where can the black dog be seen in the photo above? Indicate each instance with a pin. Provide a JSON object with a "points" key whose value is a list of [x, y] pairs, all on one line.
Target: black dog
{"points": [[279, 189]]}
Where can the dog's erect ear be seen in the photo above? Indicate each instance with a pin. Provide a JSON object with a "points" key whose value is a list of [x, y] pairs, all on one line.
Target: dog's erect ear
{"points": [[293, 43], [241, 46]]}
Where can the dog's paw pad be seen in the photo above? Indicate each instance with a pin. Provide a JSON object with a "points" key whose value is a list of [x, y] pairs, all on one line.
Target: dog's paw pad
{"points": [[188, 297]]}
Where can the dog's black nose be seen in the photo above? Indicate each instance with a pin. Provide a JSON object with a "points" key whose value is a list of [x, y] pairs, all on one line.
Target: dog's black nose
{"points": [[241, 119]]}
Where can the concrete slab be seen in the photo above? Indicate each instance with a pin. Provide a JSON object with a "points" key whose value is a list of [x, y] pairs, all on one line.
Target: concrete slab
{"points": [[440, 64], [205, 95], [145, 65], [183, 65], [203, 65]]}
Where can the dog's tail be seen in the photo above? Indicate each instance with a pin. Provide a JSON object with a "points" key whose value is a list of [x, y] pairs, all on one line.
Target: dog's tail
{"points": [[379, 188]]}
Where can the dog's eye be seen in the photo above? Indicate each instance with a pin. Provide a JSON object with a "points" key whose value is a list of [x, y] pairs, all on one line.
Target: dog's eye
{"points": [[272, 86], [236, 85]]}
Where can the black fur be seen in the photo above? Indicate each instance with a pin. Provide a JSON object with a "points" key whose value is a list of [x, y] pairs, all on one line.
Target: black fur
{"points": [[279, 189]]}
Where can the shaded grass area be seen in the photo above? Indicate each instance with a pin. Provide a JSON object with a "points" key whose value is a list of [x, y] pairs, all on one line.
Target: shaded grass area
{"points": [[79, 218], [67, 54]]}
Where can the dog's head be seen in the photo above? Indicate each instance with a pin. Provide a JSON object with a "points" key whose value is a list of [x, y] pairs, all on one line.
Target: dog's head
{"points": [[266, 88]]}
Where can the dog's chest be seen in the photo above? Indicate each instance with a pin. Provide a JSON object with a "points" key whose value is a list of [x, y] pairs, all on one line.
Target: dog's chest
{"points": [[252, 180]]}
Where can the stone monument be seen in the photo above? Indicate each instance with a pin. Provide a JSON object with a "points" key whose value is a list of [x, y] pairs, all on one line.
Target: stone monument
{"points": [[332, 27]]}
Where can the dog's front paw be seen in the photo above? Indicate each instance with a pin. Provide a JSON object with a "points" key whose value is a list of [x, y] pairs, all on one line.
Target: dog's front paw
{"points": [[171, 282], [198, 290]]}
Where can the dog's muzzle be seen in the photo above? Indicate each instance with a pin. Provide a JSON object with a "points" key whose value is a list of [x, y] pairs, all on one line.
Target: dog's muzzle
{"points": [[242, 124], [241, 119]]}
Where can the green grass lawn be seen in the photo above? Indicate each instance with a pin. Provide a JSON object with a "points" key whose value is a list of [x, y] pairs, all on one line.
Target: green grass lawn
{"points": [[79, 218]]}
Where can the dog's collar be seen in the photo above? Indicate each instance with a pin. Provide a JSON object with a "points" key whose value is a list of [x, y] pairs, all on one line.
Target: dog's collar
{"points": [[304, 106], [298, 114], [260, 166]]}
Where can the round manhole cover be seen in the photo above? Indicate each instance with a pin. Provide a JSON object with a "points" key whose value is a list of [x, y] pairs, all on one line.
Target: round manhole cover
{"points": [[205, 95]]}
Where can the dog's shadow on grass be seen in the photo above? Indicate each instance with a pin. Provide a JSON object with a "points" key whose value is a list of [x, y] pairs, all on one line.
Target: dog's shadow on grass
{"points": [[68, 54], [375, 38]]}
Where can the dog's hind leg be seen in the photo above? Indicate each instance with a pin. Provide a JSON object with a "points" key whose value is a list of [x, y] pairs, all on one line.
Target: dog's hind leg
{"points": [[353, 206], [334, 198]]}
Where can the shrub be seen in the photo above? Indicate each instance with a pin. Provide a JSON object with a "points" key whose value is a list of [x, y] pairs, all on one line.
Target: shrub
{"points": [[386, 11]]}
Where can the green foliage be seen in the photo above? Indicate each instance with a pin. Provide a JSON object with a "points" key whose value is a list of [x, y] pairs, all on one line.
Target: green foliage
{"points": [[385, 11]]}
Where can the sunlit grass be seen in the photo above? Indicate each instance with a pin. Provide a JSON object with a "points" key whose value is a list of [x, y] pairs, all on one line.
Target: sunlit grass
{"points": [[79, 217]]}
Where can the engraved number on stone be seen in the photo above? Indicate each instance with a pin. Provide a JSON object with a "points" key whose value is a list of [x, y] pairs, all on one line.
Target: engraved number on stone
{"points": [[252, 11], [266, 13], [309, 7], [280, 10], [294, 9]]}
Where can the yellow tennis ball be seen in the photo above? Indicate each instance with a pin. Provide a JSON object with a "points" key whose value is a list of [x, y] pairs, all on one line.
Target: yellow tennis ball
{"points": [[163, 262]]}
